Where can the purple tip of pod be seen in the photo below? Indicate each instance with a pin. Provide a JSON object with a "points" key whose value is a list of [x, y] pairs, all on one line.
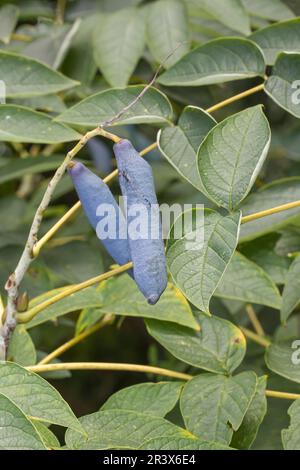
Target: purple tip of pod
{"points": [[153, 299], [125, 146]]}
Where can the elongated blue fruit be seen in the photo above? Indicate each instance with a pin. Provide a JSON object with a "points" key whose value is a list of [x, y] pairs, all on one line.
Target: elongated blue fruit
{"points": [[143, 221], [102, 211]]}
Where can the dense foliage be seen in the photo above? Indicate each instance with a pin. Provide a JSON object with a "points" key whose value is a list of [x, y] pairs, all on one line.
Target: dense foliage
{"points": [[215, 363]]}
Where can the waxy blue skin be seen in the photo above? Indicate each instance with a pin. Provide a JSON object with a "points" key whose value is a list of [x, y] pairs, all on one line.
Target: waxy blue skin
{"points": [[147, 254], [92, 192]]}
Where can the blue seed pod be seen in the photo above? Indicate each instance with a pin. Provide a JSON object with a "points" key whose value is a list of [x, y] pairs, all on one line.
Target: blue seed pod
{"points": [[143, 221], [102, 211]]}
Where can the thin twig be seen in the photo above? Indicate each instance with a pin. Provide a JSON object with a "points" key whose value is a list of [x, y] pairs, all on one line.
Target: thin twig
{"points": [[235, 98], [255, 337], [267, 212], [60, 11], [123, 111], [254, 320], [106, 320]]}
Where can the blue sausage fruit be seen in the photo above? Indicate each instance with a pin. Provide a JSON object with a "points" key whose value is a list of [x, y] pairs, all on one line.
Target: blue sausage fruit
{"points": [[100, 206], [143, 221]]}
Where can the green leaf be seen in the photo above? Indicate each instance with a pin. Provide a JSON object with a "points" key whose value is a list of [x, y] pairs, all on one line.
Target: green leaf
{"points": [[213, 406], [167, 31], [52, 43], [179, 144], [120, 429], [218, 347], [279, 37], [230, 13], [29, 165], [35, 397], [291, 436], [271, 195], [244, 437], [246, 281], [118, 45], [264, 253], [274, 10], [16, 430], [153, 108], [25, 77], [154, 399], [232, 154], [280, 84], [47, 436], [120, 296], [21, 348], [182, 443], [45, 103], [280, 359], [20, 124], [291, 291], [8, 20], [218, 61], [201, 251]]}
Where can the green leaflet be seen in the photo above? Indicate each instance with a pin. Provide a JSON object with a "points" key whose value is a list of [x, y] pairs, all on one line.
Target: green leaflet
{"points": [[179, 144], [231, 156], [213, 406], [217, 61], [16, 430], [35, 397], [218, 347], [153, 108], [200, 252], [279, 37], [25, 77], [16, 120], [154, 399], [282, 85]]}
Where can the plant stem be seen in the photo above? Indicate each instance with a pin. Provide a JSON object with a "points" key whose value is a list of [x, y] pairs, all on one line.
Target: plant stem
{"points": [[31, 313], [274, 210], [39, 368], [254, 320], [60, 11], [235, 98], [106, 320], [255, 337], [284, 395], [21, 37], [110, 366]]}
